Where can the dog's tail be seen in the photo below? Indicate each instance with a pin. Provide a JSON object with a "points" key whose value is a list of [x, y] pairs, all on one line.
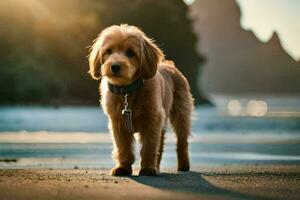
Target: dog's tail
{"points": [[180, 117]]}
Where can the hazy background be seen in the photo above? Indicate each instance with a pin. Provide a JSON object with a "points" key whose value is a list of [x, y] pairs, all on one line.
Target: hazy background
{"points": [[44, 45], [241, 59]]}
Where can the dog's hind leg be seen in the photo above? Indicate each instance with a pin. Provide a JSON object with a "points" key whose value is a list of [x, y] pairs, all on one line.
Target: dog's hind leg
{"points": [[160, 148], [180, 118]]}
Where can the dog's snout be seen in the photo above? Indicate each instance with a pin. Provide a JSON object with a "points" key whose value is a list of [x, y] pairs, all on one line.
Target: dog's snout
{"points": [[115, 68]]}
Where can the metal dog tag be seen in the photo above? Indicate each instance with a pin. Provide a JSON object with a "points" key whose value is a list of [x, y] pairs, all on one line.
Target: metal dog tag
{"points": [[127, 115]]}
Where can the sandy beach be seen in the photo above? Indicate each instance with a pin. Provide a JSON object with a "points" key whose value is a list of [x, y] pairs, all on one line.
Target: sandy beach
{"points": [[206, 182], [232, 158]]}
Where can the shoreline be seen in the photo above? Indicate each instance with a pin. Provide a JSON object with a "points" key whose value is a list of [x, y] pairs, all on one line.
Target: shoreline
{"points": [[207, 182], [53, 137]]}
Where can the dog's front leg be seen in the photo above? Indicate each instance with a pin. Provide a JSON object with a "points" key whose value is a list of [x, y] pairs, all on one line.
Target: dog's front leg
{"points": [[123, 150], [150, 139]]}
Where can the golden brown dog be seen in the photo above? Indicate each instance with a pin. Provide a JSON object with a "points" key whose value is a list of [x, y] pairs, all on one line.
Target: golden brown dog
{"points": [[128, 62]]}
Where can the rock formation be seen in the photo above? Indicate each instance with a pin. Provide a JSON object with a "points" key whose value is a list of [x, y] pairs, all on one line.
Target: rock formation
{"points": [[237, 62]]}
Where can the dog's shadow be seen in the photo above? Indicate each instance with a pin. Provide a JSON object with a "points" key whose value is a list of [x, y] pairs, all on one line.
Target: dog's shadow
{"points": [[190, 182]]}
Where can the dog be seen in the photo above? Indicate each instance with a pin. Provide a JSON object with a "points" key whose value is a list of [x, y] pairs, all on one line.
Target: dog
{"points": [[139, 91]]}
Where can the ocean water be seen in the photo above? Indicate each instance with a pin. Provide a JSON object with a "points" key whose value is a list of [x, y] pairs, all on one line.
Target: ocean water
{"points": [[68, 137]]}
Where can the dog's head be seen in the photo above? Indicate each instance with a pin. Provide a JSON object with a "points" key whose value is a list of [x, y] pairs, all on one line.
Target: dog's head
{"points": [[122, 54]]}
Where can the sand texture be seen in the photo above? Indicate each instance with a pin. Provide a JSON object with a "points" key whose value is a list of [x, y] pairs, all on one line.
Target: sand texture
{"points": [[218, 182]]}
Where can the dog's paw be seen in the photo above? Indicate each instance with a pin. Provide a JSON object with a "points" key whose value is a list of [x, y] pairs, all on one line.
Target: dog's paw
{"points": [[148, 172], [184, 168], [121, 171]]}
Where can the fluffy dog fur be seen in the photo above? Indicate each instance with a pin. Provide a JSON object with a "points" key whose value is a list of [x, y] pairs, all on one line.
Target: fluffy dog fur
{"points": [[164, 95]]}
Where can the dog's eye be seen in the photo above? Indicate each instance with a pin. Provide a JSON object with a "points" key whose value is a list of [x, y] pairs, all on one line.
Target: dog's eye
{"points": [[109, 51], [130, 53]]}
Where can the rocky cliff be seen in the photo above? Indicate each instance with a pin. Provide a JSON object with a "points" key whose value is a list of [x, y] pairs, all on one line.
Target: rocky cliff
{"points": [[237, 62]]}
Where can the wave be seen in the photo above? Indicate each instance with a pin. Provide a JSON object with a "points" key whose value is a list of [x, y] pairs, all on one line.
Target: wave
{"points": [[84, 137]]}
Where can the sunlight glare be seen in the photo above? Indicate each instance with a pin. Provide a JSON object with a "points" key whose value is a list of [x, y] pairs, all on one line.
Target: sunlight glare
{"points": [[257, 108], [234, 107], [37, 8]]}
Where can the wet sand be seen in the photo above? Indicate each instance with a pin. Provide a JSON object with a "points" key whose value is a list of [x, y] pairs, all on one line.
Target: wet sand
{"points": [[218, 182]]}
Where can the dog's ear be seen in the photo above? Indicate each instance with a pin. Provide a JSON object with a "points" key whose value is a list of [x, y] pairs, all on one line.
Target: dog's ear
{"points": [[95, 59], [150, 57]]}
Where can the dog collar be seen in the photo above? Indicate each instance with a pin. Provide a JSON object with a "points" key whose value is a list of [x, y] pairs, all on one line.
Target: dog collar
{"points": [[126, 89]]}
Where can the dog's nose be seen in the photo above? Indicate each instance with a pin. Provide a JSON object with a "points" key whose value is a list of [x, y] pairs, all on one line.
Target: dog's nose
{"points": [[115, 68]]}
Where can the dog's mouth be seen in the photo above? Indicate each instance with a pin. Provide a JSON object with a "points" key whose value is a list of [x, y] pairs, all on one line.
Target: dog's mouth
{"points": [[117, 79], [115, 75]]}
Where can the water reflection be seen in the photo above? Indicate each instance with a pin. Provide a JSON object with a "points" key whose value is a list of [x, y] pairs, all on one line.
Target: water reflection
{"points": [[234, 107], [254, 108], [257, 108]]}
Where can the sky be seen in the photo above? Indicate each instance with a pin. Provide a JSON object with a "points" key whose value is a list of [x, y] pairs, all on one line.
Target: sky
{"points": [[264, 17]]}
